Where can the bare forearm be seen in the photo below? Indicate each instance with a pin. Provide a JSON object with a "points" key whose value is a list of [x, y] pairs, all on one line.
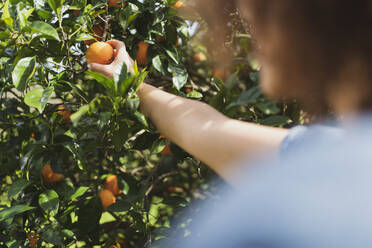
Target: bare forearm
{"points": [[204, 132]]}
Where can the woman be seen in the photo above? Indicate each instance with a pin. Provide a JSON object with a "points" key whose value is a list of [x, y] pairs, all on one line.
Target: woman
{"points": [[318, 194]]}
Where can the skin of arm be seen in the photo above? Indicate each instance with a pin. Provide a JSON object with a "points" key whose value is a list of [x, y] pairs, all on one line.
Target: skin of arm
{"points": [[199, 129]]}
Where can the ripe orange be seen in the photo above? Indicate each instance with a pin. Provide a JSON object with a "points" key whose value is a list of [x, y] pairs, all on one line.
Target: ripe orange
{"points": [[64, 112], [33, 238], [107, 198], [178, 5], [199, 57], [188, 90], [97, 31], [49, 177], [101, 53], [76, 12], [142, 53], [116, 3], [221, 73], [111, 183]]}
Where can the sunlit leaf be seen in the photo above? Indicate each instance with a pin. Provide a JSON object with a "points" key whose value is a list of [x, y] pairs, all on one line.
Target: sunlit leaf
{"points": [[23, 72]]}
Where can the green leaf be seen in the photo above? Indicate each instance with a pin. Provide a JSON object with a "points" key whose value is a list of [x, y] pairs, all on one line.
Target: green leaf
{"points": [[158, 146], [195, 95], [140, 78], [232, 81], [6, 15], [17, 187], [83, 110], [180, 75], [13, 211], [78, 155], [105, 81], [246, 98], [120, 136], [122, 80], [89, 215], [158, 65], [79, 192], [84, 36], [49, 202], [55, 5], [23, 72], [119, 206], [23, 16], [51, 236], [276, 121], [268, 108], [4, 35], [45, 97], [173, 55], [45, 29], [33, 99]]}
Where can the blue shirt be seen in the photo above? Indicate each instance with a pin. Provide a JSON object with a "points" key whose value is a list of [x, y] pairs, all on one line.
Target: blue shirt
{"points": [[318, 195]]}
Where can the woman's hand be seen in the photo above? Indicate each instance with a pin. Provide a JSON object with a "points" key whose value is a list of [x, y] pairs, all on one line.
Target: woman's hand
{"points": [[121, 55]]}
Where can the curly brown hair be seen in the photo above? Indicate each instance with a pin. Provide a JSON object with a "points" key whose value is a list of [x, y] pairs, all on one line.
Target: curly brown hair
{"points": [[319, 51]]}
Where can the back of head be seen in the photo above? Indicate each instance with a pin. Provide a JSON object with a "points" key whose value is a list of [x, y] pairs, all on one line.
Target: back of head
{"points": [[316, 50]]}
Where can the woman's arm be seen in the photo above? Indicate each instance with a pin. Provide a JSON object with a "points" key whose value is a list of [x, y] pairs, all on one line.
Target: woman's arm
{"points": [[201, 130]]}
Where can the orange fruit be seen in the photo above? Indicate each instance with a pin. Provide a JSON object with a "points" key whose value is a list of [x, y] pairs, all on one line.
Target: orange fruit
{"points": [[76, 12], [64, 112], [101, 53], [178, 5], [188, 90], [97, 31], [107, 198], [142, 53], [221, 73], [33, 238], [111, 183], [199, 57], [116, 3], [49, 177]]}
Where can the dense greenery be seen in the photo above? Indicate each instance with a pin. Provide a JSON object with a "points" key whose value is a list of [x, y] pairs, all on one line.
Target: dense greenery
{"points": [[43, 67]]}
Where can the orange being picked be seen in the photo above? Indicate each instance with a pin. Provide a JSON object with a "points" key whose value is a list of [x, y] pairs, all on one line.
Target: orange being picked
{"points": [[178, 5], [142, 53], [97, 31], [64, 112], [49, 177], [116, 3], [107, 198], [111, 183], [101, 53]]}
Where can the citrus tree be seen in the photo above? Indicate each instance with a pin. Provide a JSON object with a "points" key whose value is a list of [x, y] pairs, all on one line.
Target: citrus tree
{"points": [[80, 166]]}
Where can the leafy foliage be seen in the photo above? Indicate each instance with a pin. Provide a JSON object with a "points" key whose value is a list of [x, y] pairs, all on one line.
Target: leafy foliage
{"points": [[43, 67]]}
